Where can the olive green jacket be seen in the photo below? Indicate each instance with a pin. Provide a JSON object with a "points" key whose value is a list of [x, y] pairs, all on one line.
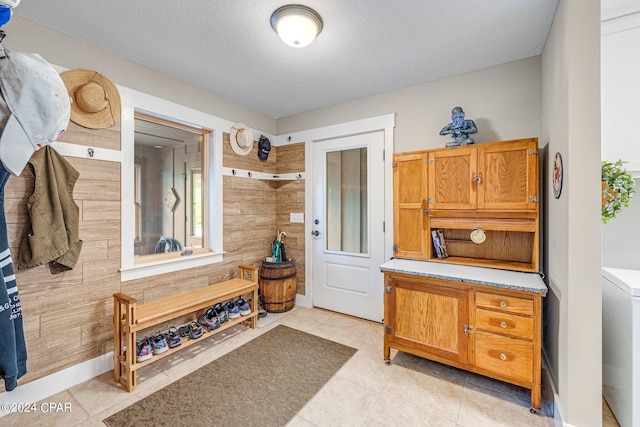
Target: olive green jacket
{"points": [[52, 234]]}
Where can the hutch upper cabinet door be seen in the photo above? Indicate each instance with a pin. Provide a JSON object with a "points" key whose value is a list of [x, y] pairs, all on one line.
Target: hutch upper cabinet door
{"points": [[411, 239], [508, 175], [451, 178], [494, 176]]}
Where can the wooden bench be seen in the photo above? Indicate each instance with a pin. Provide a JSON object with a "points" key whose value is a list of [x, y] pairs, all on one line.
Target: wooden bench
{"points": [[130, 318]]}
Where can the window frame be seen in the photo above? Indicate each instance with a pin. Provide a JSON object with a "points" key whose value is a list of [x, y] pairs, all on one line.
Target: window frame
{"points": [[132, 102]]}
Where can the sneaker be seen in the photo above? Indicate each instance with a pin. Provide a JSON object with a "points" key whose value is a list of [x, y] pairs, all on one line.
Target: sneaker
{"points": [[221, 312], [173, 337], [243, 307], [159, 344], [144, 350], [195, 330], [209, 319], [184, 331], [233, 311]]}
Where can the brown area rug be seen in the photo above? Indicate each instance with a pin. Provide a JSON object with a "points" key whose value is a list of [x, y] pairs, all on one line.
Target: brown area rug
{"points": [[265, 382]]}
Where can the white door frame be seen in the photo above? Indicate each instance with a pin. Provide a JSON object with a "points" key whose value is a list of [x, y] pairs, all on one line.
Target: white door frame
{"points": [[385, 123]]}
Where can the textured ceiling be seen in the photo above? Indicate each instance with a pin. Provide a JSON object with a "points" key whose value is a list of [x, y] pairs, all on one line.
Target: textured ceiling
{"points": [[227, 47]]}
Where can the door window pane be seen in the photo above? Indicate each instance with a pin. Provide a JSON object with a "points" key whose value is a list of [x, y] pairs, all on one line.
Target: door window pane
{"points": [[347, 203]]}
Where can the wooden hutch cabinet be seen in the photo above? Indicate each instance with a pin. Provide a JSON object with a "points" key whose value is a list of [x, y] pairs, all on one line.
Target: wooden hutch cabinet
{"points": [[490, 187], [467, 317], [480, 307]]}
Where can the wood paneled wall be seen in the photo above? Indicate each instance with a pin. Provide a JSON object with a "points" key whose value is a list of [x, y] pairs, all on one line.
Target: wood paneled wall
{"points": [[290, 198], [68, 317]]}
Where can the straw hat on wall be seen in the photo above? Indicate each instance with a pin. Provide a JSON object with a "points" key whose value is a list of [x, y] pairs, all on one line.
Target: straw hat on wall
{"points": [[241, 139], [95, 101]]}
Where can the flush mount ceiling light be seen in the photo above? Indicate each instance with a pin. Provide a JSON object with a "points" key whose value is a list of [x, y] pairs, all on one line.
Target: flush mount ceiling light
{"points": [[297, 25]]}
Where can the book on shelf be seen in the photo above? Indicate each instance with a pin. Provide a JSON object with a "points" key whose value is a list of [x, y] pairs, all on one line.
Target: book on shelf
{"points": [[443, 245], [439, 244], [436, 244]]}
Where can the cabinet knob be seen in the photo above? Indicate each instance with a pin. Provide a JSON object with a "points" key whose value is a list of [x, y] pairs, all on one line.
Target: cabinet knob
{"points": [[503, 324], [503, 304], [503, 356]]}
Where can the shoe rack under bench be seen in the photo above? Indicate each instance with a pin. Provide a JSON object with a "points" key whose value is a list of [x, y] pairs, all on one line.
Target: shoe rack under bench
{"points": [[130, 317]]}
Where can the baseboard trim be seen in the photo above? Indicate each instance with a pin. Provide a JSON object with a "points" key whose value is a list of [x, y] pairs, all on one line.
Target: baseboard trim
{"points": [[44, 387], [550, 382]]}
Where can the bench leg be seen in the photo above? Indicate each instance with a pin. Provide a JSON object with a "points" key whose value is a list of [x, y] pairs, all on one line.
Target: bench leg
{"points": [[254, 309]]}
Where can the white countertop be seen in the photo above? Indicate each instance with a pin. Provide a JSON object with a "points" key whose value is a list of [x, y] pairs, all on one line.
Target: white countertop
{"points": [[530, 282], [626, 280]]}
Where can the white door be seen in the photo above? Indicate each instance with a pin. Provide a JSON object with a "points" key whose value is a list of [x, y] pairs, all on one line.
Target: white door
{"points": [[348, 225]]}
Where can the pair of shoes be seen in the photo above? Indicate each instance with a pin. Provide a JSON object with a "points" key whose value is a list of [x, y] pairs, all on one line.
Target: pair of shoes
{"points": [[195, 330], [159, 343], [173, 337], [144, 351], [243, 307], [232, 309], [221, 312], [209, 319]]}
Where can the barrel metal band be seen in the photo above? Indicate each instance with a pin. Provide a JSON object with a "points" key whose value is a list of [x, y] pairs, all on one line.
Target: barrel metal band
{"points": [[279, 277]]}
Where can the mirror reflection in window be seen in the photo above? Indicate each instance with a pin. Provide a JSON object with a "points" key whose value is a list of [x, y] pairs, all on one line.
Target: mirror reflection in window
{"points": [[169, 197]]}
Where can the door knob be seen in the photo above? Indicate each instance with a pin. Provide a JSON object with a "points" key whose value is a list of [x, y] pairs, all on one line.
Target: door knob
{"points": [[315, 233]]}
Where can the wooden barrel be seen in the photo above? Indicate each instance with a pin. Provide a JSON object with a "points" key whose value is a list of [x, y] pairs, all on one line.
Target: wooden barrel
{"points": [[278, 285]]}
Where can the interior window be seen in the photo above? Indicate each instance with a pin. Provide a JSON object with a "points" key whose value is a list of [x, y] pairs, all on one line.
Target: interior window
{"points": [[171, 187], [170, 194]]}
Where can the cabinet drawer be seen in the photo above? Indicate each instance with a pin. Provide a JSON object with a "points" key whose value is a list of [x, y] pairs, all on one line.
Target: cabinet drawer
{"points": [[505, 356], [505, 303], [504, 323]]}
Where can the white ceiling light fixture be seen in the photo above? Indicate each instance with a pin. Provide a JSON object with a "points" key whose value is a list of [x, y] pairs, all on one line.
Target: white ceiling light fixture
{"points": [[297, 25]]}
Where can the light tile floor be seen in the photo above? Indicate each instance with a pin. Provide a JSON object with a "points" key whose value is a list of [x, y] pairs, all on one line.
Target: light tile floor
{"points": [[411, 391]]}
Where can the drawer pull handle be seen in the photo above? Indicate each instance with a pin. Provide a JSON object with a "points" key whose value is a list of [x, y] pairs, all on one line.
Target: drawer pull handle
{"points": [[503, 356], [503, 304], [503, 324]]}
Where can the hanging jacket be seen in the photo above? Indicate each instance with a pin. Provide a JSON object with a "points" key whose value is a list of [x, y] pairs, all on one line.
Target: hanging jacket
{"points": [[52, 235], [13, 351]]}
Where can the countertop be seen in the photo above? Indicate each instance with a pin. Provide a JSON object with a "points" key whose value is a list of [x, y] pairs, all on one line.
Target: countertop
{"points": [[529, 282]]}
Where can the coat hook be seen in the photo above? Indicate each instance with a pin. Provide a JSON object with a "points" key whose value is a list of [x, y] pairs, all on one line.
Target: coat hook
{"points": [[233, 171], [90, 151], [250, 174]]}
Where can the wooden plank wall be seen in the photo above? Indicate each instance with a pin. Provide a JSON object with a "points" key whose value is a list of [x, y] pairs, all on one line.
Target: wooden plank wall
{"points": [[290, 197], [68, 317]]}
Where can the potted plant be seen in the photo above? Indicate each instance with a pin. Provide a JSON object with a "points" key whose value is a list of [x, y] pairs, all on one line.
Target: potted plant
{"points": [[618, 188]]}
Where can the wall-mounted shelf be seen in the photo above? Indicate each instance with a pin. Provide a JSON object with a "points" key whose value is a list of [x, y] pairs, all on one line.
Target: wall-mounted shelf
{"points": [[244, 173]]}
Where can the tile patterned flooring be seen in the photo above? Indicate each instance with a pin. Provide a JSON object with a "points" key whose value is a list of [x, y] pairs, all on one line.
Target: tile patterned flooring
{"points": [[365, 392]]}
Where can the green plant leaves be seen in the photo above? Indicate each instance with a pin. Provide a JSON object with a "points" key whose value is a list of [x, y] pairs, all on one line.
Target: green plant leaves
{"points": [[618, 191]]}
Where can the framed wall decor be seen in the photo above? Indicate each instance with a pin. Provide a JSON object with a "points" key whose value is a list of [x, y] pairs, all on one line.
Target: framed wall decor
{"points": [[171, 199], [557, 175]]}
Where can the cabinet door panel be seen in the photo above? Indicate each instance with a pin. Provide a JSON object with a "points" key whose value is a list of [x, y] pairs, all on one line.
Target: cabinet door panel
{"points": [[509, 175], [430, 319], [409, 203], [451, 178]]}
